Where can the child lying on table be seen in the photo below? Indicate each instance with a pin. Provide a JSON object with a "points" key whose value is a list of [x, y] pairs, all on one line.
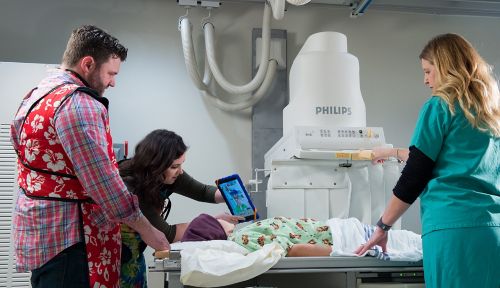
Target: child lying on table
{"points": [[300, 237]]}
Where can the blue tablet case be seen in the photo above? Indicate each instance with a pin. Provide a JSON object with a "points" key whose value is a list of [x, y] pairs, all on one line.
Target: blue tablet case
{"points": [[236, 196]]}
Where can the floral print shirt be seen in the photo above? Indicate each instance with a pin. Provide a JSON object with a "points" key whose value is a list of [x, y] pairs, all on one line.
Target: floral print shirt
{"points": [[43, 228]]}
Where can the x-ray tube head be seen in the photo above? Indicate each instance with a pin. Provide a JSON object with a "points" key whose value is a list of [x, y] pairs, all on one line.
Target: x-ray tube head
{"points": [[324, 85]]}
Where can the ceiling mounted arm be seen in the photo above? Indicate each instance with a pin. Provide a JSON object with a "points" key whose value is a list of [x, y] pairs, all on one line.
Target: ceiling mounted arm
{"points": [[258, 86], [360, 7]]}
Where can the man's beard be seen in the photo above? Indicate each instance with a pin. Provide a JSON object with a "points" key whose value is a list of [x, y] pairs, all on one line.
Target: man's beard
{"points": [[96, 83]]}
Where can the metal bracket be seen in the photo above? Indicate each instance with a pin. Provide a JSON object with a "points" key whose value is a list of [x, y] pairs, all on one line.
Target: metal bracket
{"points": [[192, 3], [255, 182], [359, 7], [210, 3], [347, 164], [182, 18], [207, 19], [201, 3]]}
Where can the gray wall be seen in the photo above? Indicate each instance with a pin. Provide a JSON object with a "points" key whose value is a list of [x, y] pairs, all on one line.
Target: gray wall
{"points": [[154, 90]]}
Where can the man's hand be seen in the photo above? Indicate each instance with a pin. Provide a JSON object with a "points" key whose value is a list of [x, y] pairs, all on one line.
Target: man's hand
{"points": [[156, 239], [149, 234]]}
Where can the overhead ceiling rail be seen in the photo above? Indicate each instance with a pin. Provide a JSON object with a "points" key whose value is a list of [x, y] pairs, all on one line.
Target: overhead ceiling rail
{"points": [[488, 8]]}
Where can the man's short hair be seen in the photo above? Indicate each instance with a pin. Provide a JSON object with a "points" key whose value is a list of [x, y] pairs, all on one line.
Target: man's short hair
{"points": [[89, 40]]}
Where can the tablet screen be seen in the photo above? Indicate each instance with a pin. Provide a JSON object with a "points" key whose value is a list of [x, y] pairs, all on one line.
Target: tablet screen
{"points": [[236, 197]]}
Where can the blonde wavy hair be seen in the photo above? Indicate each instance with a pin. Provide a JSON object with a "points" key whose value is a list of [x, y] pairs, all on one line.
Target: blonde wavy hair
{"points": [[462, 75]]}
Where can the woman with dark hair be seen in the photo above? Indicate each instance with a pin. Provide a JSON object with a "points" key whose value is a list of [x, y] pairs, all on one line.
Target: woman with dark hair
{"points": [[153, 174]]}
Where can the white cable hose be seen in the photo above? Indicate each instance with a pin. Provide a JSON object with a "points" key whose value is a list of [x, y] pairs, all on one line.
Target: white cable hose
{"points": [[202, 85], [278, 7], [261, 72], [249, 102], [192, 67], [207, 74], [189, 57], [298, 2]]}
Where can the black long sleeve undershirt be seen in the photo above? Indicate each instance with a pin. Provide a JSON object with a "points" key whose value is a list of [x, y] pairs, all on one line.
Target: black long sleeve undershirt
{"points": [[184, 185], [415, 176]]}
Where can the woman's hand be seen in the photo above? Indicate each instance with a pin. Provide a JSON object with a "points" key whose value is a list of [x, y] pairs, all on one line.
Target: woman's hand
{"points": [[228, 227], [380, 154], [229, 218], [379, 237]]}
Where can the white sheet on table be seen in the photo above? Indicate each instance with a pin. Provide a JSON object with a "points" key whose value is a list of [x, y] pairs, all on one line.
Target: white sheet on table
{"points": [[349, 234], [222, 262]]}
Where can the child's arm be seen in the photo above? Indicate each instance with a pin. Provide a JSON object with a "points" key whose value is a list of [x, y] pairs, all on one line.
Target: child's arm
{"points": [[304, 250]]}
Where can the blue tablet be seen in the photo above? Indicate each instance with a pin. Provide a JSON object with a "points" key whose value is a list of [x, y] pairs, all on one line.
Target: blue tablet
{"points": [[236, 196]]}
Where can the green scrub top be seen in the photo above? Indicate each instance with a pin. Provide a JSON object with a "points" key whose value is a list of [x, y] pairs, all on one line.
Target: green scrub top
{"points": [[465, 187]]}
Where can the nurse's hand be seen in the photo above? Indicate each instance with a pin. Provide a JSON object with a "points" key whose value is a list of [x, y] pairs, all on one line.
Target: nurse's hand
{"points": [[379, 237], [380, 154], [229, 218]]}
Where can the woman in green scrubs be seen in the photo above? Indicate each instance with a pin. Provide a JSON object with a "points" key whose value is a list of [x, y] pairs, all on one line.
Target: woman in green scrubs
{"points": [[453, 165]]}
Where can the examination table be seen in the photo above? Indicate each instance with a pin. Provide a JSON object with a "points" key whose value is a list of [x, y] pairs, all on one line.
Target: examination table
{"points": [[315, 272]]}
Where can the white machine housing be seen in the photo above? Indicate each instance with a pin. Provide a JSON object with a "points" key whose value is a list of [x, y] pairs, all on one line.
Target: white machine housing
{"points": [[324, 85], [333, 143], [321, 166], [321, 189]]}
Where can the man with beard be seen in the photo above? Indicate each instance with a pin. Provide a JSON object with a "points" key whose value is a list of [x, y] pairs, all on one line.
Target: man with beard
{"points": [[71, 197]]}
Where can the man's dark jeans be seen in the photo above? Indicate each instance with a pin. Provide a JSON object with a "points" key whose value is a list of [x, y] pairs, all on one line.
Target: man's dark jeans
{"points": [[69, 269]]}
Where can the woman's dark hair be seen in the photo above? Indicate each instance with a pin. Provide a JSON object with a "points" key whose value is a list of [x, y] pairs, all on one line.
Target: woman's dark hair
{"points": [[153, 156]]}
